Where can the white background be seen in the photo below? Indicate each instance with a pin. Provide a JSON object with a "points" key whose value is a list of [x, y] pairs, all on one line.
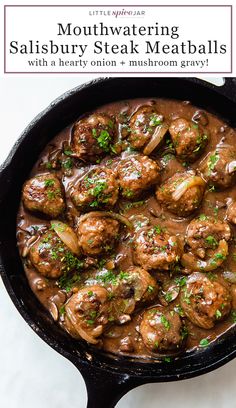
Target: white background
{"points": [[31, 373]]}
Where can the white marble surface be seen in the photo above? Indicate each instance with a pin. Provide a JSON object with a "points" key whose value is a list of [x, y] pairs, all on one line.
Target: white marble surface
{"points": [[34, 375]]}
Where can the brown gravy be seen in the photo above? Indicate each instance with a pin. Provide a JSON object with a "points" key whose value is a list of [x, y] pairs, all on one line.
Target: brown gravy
{"points": [[214, 204]]}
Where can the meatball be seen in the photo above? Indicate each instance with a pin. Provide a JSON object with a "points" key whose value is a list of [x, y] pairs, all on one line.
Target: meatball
{"points": [[51, 257], [161, 330], [97, 235], [203, 301], [92, 137], [205, 233], [99, 188], [136, 283], [189, 139], [219, 167], [137, 174], [182, 193], [207, 239], [156, 249], [86, 313], [231, 212], [126, 289], [44, 194], [142, 126]]}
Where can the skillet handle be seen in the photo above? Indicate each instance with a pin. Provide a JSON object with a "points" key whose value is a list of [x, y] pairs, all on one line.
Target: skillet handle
{"points": [[106, 388], [229, 88]]}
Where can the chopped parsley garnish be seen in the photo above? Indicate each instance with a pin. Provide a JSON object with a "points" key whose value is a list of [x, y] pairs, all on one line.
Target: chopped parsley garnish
{"points": [[204, 343], [215, 211], [67, 164], [165, 322], [123, 275], [213, 159], [167, 158], [98, 189], [51, 194], [155, 120], [67, 282], [203, 217], [110, 295], [181, 281], [178, 309], [156, 344], [94, 132], [48, 165], [134, 204], [103, 138], [186, 297], [49, 182], [128, 193], [210, 240], [59, 226], [150, 289], [62, 310], [218, 314], [107, 277], [158, 229], [68, 152], [211, 189], [217, 257], [110, 124], [233, 316], [113, 149], [212, 276], [72, 263], [90, 322], [184, 332]]}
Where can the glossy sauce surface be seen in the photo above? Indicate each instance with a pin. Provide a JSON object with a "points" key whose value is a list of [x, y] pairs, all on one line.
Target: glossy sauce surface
{"points": [[55, 293]]}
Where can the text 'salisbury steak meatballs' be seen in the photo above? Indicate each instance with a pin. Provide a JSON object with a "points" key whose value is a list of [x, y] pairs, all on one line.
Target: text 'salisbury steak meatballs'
{"points": [[127, 228]]}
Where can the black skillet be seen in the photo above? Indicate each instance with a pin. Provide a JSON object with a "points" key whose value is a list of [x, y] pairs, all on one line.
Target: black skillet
{"points": [[107, 378]]}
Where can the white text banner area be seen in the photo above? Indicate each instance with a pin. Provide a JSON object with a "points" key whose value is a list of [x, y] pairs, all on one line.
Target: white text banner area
{"points": [[118, 39]]}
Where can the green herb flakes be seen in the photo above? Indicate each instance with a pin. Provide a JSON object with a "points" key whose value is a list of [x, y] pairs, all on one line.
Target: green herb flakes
{"points": [[204, 343]]}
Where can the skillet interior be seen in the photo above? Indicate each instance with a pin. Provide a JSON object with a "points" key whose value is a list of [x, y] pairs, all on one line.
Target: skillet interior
{"points": [[124, 374]]}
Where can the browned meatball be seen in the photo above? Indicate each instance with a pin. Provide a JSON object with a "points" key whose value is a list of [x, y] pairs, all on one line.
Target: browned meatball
{"points": [[92, 137], [161, 330], [99, 188], [127, 289], [182, 193], [206, 232], [189, 139], [231, 212], [204, 302], [219, 167], [156, 249], [51, 257], [97, 234], [207, 244], [44, 193], [87, 313], [136, 174], [142, 125], [135, 282]]}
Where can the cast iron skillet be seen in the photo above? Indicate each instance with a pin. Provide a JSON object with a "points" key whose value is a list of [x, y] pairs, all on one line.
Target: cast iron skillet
{"points": [[107, 378]]}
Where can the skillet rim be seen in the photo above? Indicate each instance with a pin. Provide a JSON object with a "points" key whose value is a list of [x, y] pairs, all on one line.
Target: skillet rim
{"points": [[137, 370]]}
